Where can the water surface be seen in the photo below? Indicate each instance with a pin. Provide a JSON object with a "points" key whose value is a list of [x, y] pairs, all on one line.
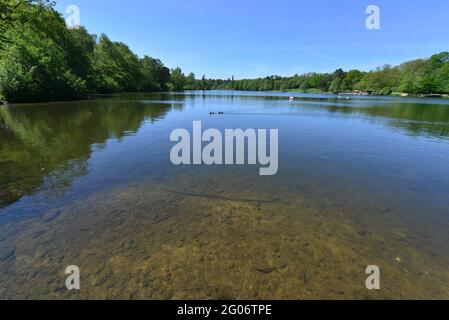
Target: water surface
{"points": [[362, 181]]}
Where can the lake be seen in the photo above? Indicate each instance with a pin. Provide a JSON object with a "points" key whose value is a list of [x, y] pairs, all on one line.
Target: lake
{"points": [[361, 181]]}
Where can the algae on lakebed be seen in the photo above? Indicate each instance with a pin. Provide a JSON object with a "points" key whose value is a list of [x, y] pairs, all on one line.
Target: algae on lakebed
{"points": [[139, 241]]}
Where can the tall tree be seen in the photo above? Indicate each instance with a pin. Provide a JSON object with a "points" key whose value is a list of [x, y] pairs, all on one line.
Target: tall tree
{"points": [[155, 76], [37, 62], [177, 79]]}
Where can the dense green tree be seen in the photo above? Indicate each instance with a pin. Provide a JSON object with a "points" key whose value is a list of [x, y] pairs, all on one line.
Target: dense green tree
{"points": [[115, 67], [10, 11], [412, 73], [436, 79], [190, 82], [39, 59], [155, 76], [42, 59], [177, 79], [382, 81], [336, 85], [351, 79], [442, 78]]}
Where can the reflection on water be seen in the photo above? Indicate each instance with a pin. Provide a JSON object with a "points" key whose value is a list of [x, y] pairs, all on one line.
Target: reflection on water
{"points": [[362, 181], [48, 145]]}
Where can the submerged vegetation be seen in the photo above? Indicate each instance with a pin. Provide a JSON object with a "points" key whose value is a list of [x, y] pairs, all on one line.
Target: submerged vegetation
{"points": [[43, 60]]}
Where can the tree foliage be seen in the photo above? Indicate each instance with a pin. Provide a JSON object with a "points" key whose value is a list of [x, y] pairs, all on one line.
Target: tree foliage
{"points": [[41, 59], [33, 63], [424, 76]]}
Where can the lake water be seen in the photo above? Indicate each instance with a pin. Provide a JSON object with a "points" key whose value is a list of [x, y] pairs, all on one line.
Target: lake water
{"points": [[362, 181]]}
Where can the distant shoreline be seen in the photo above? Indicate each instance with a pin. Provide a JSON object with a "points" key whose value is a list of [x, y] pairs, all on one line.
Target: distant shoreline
{"points": [[95, 95]]}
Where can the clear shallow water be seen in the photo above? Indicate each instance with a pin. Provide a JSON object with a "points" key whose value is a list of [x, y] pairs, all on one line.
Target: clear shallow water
{"points": [[361, 181]]}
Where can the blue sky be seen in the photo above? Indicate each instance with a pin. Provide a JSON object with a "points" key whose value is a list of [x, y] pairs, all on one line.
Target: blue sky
{"points": [[253, 38]]}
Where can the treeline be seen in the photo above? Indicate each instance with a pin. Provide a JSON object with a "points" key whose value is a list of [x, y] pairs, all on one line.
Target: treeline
{"points": [[41, 59], [422, 76]]}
